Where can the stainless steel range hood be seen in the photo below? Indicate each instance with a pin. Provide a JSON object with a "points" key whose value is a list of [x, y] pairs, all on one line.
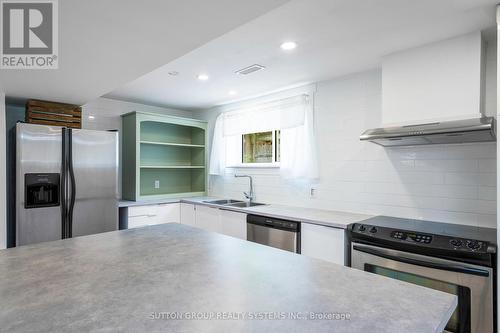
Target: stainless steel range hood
{"points": [[456, 131]]}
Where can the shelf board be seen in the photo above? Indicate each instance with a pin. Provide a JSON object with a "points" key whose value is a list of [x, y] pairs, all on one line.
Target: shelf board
{"points": [[172, 167], [172, 144]]}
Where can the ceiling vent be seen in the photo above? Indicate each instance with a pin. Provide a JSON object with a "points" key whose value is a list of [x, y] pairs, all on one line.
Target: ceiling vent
{"points": [[250, 69]]}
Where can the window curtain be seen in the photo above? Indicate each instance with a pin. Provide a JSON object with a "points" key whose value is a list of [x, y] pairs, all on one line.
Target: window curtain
{"points": [[218, 151], [284, 113], [298, 149], [293, 116]]}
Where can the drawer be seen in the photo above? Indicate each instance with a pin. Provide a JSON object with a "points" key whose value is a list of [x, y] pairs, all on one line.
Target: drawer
{"points": [[142, 211], [139, 216], [141, 221]]}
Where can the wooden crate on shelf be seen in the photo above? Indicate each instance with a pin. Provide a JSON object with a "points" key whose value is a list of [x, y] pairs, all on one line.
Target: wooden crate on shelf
{"points": [[53, 114]]}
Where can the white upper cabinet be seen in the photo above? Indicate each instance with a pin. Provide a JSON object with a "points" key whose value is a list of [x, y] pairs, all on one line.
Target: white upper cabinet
{"points": [[323, 243], [438, 81]]}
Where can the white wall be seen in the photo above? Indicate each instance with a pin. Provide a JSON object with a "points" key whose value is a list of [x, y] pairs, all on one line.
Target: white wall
{"points": [[448, 183], [490, 76], [107, 113], [442, 80], [107, 116], [3, 172]]}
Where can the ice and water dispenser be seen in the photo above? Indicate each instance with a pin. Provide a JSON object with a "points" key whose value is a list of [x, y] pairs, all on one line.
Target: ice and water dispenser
{"points": [[41, 190]]}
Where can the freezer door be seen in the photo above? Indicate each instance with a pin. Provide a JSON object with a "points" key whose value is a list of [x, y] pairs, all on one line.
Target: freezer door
{"points": [[95, 168], [38, 160]]}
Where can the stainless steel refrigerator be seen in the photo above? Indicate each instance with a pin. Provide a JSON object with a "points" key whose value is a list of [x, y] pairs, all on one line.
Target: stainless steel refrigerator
{"points": [[66, 182]]}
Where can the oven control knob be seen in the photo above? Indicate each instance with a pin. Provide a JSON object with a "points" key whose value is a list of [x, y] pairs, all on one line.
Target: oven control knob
{"points": [[456, 242], [362, 228], [373, 230], [473, 245]]}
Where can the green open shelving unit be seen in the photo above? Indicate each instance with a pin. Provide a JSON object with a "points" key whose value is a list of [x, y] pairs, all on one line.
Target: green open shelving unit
{"points": [[163, 149]]}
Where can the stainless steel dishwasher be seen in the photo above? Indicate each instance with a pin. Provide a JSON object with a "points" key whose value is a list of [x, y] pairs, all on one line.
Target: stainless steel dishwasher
{"points": [[281, 234]]}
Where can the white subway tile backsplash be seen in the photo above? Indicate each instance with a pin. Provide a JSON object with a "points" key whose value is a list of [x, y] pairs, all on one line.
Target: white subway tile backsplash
{"points": [[487, 193], [416, 153], [471, 151], [421, 177], [384, 165], [436, 190], [482, 179], [489, 220], [448, 165], [447, 183], [488, 165]]}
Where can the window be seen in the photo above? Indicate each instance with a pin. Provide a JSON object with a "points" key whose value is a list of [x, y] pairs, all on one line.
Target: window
{"points": [[258, 148], [275, 134]]}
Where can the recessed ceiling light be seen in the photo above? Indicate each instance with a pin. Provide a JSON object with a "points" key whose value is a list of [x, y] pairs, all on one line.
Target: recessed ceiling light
{"points": [[287, 46], [203, 77], [232, 92], [91, 117]]}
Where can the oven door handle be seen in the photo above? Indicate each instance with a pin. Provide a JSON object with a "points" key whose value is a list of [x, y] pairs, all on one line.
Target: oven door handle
{"points": [[411, 261]]}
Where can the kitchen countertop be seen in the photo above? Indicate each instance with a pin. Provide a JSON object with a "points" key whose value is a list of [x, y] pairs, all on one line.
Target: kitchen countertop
{"points": [[123, 280], [324, 217]]}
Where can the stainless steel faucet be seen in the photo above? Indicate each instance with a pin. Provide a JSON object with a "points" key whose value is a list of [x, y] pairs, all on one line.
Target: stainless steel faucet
{"points": [[249, 195]]}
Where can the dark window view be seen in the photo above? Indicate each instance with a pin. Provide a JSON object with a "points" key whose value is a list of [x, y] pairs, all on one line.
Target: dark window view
{"points": [[258, 147]]}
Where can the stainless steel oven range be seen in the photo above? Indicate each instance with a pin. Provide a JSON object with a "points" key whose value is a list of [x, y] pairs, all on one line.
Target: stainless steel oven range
{"points": [[452, 258]]}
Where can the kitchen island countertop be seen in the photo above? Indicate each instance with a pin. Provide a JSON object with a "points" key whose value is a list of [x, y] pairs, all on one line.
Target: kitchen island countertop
{"points": [[158, 278]]}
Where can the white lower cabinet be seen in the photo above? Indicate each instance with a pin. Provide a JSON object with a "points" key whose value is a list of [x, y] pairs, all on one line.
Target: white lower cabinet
{"points": [[317, 241], [207, 218], [233, 224], [139, 216], [169, 213], [188, 214], [324, 243], [214, 219]]}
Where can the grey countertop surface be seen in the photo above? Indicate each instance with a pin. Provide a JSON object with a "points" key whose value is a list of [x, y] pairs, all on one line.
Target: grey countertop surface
{"points": [[329, 218], [137, 280]]}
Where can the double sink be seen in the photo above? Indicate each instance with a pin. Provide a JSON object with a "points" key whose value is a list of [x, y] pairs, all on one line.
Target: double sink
{"points": [[233, 203]]}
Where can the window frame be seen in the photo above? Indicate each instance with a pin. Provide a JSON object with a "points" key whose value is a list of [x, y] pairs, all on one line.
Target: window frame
{"points": [[275, 147]]}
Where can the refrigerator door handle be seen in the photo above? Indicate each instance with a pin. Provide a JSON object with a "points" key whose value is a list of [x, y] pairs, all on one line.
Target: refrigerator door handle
{"points": [[72, 197], [64, 213]]}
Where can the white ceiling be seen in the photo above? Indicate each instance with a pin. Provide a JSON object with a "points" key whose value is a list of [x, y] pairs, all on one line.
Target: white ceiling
{"points": [[335, 37], [104, 44]]}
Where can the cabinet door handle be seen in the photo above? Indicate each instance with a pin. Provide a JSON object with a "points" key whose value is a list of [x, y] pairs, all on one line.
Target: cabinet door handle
{"points": [[143, 215]]}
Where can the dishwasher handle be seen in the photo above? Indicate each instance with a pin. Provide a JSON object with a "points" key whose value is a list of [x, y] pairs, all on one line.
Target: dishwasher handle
{"points": [[274, 223]]}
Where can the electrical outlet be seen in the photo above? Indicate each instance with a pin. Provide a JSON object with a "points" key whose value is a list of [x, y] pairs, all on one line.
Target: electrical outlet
{"points": [[157, 184], [312, 193]]}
